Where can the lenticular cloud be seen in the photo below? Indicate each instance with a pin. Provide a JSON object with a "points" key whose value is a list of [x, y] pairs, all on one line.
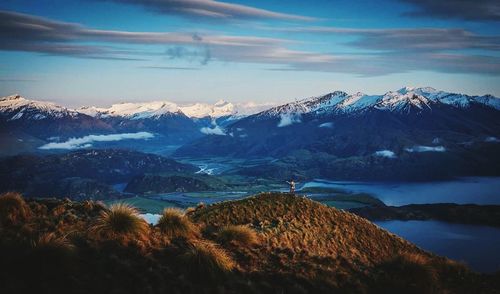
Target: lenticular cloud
{"points": [[86, 141]]}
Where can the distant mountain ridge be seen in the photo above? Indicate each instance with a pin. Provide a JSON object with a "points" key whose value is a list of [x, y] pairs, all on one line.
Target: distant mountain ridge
{"points": [[337, 123], [409, 134], [403, 100]]}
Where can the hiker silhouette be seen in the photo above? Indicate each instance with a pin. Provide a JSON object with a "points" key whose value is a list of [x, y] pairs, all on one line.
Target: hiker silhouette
{"points": [[292, 186]]}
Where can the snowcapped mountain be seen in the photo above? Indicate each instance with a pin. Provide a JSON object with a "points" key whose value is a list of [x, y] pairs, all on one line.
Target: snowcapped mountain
{"points": [[405, 100], [346, 125], [156, 109], [15, 107]]}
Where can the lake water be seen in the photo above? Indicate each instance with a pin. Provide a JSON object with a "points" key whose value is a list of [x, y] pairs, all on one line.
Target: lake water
{"points": [[477, 246], [477, 190]]}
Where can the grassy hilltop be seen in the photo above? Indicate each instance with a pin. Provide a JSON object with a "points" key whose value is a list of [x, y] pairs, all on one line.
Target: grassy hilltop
{"points": [[269, 243]]}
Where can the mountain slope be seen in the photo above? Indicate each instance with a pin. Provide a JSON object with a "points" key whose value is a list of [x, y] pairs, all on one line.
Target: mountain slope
{"points": [[44, 119], [84, 174], [403, 126], [299, 246]]}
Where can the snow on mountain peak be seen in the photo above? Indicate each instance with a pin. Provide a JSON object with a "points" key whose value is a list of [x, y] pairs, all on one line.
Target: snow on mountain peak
{"points": [[406, 99], [16, 107], [157, 109]]}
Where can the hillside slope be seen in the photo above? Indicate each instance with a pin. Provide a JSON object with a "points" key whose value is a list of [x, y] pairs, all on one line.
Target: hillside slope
{"points": [[285, 244]]}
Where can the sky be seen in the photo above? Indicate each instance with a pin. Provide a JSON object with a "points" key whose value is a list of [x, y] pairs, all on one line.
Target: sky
{"points": [[99, 52]]}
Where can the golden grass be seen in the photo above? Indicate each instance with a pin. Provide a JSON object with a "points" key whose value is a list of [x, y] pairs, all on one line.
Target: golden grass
{"points": [[13, 209], [174, 224], [237, 234], [303, 247], [120, 221], [409, 273], [300, 224], [51, 241], [205, 260]]}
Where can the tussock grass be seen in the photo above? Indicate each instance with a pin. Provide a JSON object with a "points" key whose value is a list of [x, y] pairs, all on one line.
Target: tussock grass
{"points": [[50, 241], [237, 234], [174, 224], [13, 209], [303, 247], [120, 221], [408, 273], [206, 261]]}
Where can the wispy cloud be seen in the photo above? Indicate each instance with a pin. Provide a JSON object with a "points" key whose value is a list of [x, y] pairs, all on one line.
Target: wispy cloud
{"points": [[288, 119], [385, 153], [87, 141], [170, 67], [402, 50], [385, 51], [420, 148], [211, 9], [215, 130], [477, 10]]}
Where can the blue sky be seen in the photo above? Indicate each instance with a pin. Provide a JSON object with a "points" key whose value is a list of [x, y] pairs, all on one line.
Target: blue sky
{"points": [[83, 52]]}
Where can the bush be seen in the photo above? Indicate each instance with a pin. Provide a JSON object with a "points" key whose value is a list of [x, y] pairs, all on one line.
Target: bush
{"points": [[408, 273], [241, 235], [13, 209], [206, 261], [120, 221], [174, 224]]}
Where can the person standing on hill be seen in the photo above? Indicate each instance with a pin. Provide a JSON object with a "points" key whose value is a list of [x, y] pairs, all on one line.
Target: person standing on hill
{"points": [[292, 186]]}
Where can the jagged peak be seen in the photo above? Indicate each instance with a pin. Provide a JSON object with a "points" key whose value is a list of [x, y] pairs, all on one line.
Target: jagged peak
{"points": [[11, 97]]}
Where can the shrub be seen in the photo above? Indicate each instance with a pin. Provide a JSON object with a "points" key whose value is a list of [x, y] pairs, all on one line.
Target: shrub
{"points": [[206, 261], [241, 235], [409, 273], [13, 209], [174, 224], [120, 221]]}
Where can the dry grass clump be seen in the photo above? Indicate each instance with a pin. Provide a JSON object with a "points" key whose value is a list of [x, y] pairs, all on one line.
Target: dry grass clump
{"points": [[240, 235], [174, 224], [206, 261], [50, 241], [408, 273], [120, 221], [13, 209]]}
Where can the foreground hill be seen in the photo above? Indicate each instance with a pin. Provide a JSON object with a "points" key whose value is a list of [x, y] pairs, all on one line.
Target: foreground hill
{"points": [[270, 243]]}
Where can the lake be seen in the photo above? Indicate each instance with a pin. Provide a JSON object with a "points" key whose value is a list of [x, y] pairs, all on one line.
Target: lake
{"points": [[477, 246], [476, 190]]}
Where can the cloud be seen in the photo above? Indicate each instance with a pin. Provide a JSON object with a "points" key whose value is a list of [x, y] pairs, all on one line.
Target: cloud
{"points": [[216, 130], [22, 32], [86, 141], [492, 140], [326, 125], [385, 153], [170, 67], [211, 9], [288, 119], [402, 50], [387, 50], [426, 149], [478, 10]]}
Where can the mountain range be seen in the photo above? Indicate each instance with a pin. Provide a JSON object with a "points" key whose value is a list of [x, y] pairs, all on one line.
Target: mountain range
{"points": [[329, 135]]}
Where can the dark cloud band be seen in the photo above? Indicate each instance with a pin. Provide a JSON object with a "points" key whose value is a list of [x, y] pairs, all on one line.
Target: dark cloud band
{"points": [[477, 10]]}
